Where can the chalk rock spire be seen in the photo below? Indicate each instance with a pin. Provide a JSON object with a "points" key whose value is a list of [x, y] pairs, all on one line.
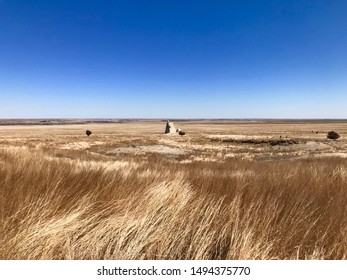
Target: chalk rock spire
{"points": [[170, 128]]}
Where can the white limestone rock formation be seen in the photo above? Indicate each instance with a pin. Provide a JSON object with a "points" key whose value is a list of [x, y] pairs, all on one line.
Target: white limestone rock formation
{"points": [[170, 128]]}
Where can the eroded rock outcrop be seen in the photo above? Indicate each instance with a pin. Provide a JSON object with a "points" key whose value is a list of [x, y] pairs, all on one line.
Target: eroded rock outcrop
{"points": [[170, 128]]}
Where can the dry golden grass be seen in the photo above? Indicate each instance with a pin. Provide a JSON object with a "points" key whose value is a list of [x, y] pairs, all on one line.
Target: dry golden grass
{"points": [[68, 196]]}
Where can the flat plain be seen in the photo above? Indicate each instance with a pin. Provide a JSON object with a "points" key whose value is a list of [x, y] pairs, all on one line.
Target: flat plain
{"points": [[226, 190]]}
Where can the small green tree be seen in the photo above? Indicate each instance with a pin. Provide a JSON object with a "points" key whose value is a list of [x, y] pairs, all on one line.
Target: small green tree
{"points": [[333, 135]]}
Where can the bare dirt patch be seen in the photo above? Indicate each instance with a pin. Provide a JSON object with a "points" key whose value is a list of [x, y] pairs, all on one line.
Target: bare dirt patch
{"points": [[156, 149]]}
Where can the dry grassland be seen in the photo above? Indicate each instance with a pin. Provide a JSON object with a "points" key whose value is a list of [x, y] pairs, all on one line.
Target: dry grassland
{"points": [[130, 192]]}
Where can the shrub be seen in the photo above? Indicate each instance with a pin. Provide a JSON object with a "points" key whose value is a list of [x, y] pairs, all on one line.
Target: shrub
{"points": [[333, 135], [88, 132]]}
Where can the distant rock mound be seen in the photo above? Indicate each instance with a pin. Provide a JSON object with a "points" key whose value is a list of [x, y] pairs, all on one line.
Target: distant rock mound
{"points": [[170, 128], [180, 132]]}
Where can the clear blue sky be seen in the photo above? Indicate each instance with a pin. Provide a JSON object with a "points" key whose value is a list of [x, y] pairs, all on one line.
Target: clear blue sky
{"points": [[173, 59]]}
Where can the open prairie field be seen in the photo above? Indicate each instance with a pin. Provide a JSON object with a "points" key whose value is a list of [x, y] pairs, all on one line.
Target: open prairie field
{"points": [[225, 190]]}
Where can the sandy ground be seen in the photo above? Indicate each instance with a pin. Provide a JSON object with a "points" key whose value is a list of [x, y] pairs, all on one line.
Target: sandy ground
{"points": [[159, 149]]}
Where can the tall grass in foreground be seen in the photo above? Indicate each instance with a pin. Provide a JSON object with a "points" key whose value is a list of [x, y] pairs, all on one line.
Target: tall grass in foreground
{"points": [[59, 208]]}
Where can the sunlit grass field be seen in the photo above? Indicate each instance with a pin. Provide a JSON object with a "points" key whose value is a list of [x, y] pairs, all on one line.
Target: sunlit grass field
{"points": [[130, 192]]}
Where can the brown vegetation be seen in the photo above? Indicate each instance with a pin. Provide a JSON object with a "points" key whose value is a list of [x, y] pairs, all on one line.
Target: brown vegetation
{"points": [[66, 199], [88, 132], [333, 135]]}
